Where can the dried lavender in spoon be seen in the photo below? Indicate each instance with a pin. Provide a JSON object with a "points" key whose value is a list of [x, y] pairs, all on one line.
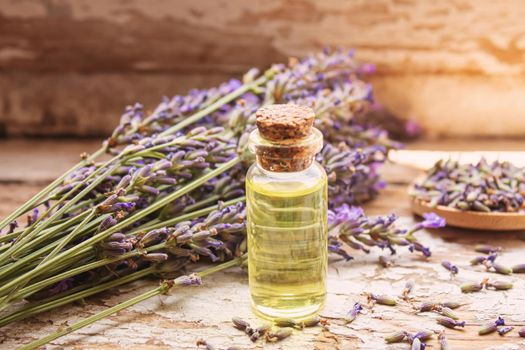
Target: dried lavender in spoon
{"points": [[485, 187]]}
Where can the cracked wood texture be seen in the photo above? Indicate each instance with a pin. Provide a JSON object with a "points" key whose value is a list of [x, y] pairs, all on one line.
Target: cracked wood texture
{"points": [[68, 67], [178, 320]]}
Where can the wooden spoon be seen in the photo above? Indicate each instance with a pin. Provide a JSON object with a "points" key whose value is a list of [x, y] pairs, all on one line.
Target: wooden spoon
{"points": [[494, 221]]}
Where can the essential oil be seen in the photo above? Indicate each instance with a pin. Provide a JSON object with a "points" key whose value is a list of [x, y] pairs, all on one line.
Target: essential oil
{"points": [[287, 215]]}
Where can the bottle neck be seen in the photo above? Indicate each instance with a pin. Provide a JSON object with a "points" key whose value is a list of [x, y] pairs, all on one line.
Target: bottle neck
{"points": [[284, 165]]}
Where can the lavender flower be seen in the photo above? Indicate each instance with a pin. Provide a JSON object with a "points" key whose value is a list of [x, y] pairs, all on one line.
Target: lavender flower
{"points": [[491, 327], [451, 267], [352, 314]]}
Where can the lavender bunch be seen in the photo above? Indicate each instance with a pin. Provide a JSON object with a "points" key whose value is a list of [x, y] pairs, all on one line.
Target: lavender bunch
{"points": [[127, 215], [485, 187]]}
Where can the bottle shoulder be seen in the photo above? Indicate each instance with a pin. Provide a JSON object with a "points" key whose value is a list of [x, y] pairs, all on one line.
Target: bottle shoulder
{"points": [[310, 179]]}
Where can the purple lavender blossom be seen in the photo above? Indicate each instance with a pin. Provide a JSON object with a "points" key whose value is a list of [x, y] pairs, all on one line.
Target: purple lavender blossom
{"points": [[432, 220]]}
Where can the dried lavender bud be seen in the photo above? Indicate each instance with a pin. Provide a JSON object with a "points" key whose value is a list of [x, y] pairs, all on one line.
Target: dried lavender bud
{"points": [[409, 286], [206, 344], [500, 285], [451, 304], [285, 322], [421, 335], [259, 332], [352, 314], [471, 287], [447, 312], [504, 330], [416, 344], [503, 270], [478, 260], [521, 332], [280, 334], [443, 342], [249, 331], [188, 280], [520, 268], [451, 267], [427, 306], [487, 249], [239, 323], [310, 322], [491, 327], [449, 322], [155, 257], [385, 262], [396, 337], [382, 299]]}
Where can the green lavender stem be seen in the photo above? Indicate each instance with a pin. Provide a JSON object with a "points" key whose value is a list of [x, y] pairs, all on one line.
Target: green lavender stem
{"points": [[217, 104], [49, 304], [30, 258], [163, 288], [30, 204], [23, 241]]}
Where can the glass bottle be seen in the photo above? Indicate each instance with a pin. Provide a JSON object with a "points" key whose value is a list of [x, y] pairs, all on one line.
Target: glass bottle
{"points": [[286, 193]]}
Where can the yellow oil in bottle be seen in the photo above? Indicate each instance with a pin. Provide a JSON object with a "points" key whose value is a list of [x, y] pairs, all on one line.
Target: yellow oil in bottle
{"points": [[287, 241]]}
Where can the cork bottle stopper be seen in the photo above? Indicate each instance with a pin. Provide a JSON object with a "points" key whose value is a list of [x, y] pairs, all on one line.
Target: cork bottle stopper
{"points": [[282, 122]]}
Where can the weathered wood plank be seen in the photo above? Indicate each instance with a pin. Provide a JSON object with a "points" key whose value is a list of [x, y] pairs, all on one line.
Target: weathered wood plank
{"points": [[438, 62]]}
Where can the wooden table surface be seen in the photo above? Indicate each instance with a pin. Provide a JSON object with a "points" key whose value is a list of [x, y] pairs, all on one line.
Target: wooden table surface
{"points": [[178, 320]]}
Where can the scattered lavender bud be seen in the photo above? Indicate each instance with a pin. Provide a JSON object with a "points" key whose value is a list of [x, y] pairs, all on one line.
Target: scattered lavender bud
{"points": [[385, 262], [449, 322], [416, 344], [396, 337], [352, 314], [280, 334], [188, 280], [447, 312], [259, 332], [239, 323], [427, 306], [202, 342], [309, 322], [491, 327], [451, 267], [471, 287], [503, 270], [409, 286], [487, 249], [382, 299], [285, 322], [504, 330], [521, 332], [451, 304], [421, 335], [478, 260], [443, 342], [520, 268], [500, 285]]}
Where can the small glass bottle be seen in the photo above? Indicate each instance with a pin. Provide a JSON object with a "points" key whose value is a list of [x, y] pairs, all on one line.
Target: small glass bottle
{"points": [[286, 193]]}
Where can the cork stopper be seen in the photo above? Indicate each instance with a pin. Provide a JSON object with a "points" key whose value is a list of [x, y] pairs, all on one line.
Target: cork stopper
{"points": [[285, 122], [285, 139]]}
